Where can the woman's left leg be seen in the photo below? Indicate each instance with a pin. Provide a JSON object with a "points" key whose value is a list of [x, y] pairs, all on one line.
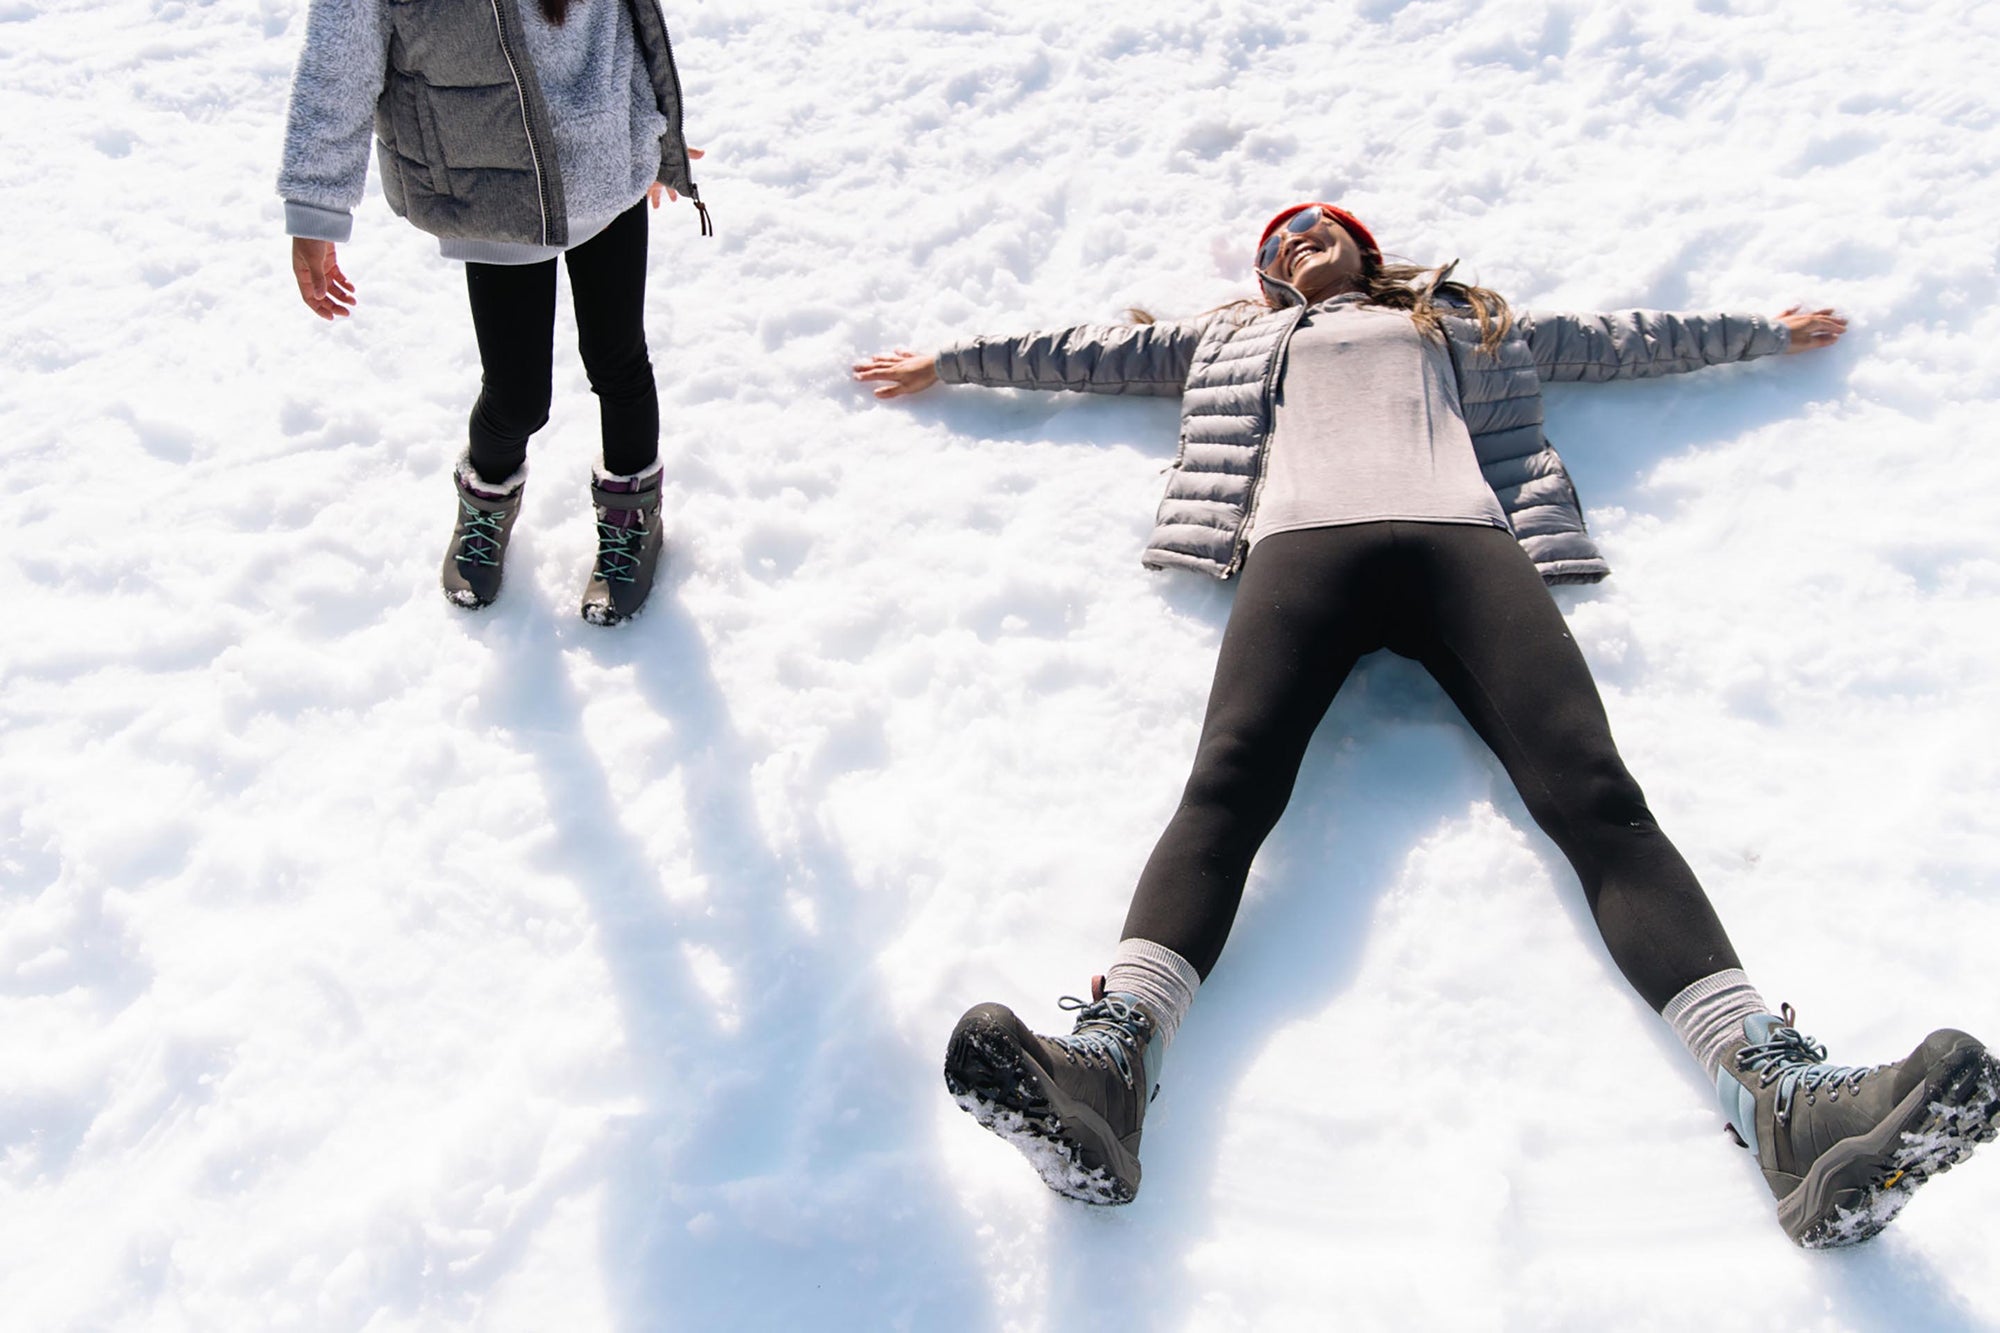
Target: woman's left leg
{"points": [[607, 276], [1842, 1148], [1496, 641]]}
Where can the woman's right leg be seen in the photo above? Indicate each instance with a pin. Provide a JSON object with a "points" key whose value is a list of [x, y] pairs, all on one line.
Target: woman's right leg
{"points": [[1310, 604], [514, 318]]}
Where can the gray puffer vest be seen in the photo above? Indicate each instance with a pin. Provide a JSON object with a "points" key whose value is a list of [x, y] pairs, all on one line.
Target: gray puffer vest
{"points": [[463, 135], [1225, 367]]}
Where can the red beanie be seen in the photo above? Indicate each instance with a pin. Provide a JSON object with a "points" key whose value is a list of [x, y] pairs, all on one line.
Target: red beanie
{"points": [[1346, 219]]}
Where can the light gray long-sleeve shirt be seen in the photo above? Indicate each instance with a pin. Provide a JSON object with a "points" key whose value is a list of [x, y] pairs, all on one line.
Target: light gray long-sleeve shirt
{"points": [[1366, 425]]}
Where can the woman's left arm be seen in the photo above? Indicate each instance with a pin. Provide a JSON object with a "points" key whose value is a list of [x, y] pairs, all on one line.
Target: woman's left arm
{"points": [[1639, 344]]}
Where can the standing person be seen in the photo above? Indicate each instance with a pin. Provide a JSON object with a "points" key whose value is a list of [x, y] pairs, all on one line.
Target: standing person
{"points": [[1364, 447], [514, 131]]}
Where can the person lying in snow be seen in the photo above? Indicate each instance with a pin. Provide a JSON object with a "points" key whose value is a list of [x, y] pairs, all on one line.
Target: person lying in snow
{"points": [[1364, 447], [514, 133]]}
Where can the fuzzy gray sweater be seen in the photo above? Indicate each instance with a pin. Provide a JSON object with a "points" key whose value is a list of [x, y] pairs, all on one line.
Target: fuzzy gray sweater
{"points": [[601, 103]]}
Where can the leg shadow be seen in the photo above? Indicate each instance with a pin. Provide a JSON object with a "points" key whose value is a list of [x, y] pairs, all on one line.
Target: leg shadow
{"points": [[768, 1178]]}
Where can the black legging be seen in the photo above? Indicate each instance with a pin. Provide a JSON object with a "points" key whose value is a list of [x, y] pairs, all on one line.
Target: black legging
{"points": [[514, 317], [1466, 602]]}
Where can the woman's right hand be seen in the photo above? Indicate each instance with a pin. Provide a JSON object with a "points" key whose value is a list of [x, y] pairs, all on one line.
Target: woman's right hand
{"points": [[897, 373], [322, 286]]}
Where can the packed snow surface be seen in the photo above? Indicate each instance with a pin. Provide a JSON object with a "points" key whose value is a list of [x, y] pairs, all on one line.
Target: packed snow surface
{"points": [[366, 964]]}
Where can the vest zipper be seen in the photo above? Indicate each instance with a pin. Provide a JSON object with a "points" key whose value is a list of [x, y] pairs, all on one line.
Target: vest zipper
{"points": [[1242, 546], [521, 94]]}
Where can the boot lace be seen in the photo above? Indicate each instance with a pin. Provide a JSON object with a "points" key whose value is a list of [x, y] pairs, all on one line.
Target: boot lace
{"points": [[618, 550], [1108, 1032], [479, 536], [1797, 1063]]}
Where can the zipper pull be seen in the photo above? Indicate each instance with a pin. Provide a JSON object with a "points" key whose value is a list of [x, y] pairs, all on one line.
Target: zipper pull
{"points": [[694, 197]]}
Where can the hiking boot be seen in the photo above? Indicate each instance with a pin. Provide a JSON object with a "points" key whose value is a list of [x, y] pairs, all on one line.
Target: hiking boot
{"points": [[628, 545], [1073, 1105], [486, 514], [1843, 1148]]}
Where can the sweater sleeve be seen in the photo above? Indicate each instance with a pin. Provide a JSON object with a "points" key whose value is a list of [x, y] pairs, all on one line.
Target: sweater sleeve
{"points": [[1640, 344], [332, 117], [1089, 358]]}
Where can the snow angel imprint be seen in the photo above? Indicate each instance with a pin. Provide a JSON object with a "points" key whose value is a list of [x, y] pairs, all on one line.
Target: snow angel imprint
{"points": [[514, 133], [1363, 449]]}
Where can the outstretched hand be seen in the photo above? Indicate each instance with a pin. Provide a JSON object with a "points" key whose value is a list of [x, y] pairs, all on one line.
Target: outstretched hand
{"points": [[1813, 328], [656, 191], [898, 373], [322, 286]]}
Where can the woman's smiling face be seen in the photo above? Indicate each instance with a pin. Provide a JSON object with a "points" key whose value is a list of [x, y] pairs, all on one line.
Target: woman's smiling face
{"points": [[1322, 260]]}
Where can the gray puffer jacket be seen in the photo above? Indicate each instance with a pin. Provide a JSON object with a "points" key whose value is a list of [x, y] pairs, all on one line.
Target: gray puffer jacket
{"points": [[463, 132], [1225, 366]]}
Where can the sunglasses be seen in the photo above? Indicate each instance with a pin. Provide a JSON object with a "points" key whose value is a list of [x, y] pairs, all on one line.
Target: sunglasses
{"points": [[1298, 224]]}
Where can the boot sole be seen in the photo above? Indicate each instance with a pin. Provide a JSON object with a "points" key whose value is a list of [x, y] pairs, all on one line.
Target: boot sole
{"points": [[1070, 1146], [1859, 1185]]}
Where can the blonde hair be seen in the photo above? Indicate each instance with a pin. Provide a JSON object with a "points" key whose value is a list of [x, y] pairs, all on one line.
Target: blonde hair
{"points": [[1416, 289], [1408, 287]]}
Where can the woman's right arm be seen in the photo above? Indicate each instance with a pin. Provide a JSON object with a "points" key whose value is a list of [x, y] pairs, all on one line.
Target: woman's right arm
{"points": [[328, 133], [1090, 358]]}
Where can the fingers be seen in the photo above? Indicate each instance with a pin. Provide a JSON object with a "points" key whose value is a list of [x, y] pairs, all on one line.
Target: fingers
{"points": [[326, 290], [886, 358], [1813, 328], [336, 282], [696, 152], [882, 367], [312, 289], [898, 373]]}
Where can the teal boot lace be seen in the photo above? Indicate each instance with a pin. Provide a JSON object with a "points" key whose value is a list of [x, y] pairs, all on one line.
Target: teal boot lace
{"points": [[618, 550], [479, 536], [1796, 1063], [1108, 1032]]}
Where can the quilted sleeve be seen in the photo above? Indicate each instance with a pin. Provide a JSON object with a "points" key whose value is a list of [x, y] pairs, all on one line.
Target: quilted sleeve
{"points": [[1090, 358], [1640, 344]]}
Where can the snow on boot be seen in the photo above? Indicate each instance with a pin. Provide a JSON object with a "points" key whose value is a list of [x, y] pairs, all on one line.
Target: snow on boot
{"points": [[486, 512], [1073, 1105], [1843, 1148], [628, 544]]}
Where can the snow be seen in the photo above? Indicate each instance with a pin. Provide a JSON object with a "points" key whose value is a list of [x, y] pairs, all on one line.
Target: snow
{"points": [[366, 964]]}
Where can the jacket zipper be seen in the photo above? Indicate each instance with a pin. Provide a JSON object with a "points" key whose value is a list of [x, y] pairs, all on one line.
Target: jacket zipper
{"points": [[521, 94]]}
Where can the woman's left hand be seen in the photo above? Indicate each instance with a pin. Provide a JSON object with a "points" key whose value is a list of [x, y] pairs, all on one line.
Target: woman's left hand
{"points": [[1813, 328], [657, 191]]}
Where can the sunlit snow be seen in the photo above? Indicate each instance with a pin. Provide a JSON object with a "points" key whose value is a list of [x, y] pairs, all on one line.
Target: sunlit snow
{"points": [[368, 964]]}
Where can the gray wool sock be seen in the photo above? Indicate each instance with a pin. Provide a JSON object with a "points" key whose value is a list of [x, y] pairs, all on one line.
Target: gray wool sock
{"points": [[1162, 980], [1708, 1016]]}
